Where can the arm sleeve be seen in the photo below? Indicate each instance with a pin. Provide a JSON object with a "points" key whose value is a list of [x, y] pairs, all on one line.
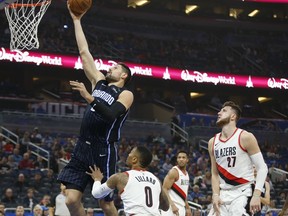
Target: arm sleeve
{"points": [[261, 168], [109, 113], [100, 190]]}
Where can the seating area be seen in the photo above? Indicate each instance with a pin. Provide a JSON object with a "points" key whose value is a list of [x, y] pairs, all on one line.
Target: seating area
{"points": [[228, 50]]}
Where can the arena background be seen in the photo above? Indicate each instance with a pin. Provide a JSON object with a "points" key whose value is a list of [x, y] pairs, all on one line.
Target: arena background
{"points": [[216, 37]]}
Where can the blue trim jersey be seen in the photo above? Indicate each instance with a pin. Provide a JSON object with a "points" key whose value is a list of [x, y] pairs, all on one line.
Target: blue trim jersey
{"points": [[93, 125]]}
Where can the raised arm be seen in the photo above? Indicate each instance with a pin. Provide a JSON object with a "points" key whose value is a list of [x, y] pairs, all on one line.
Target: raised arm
{"points": [[89, 67]]}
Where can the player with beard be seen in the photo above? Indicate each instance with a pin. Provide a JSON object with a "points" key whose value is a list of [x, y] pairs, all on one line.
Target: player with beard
{"points": [[233, 152], [106, 112], [176, 185]]}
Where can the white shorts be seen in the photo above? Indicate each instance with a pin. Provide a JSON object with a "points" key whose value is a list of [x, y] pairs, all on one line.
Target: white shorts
{"points": [[182, 211], [234, 201]]}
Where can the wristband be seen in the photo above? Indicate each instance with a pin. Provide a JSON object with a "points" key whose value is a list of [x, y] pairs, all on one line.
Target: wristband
{"points": [[255, 195]]}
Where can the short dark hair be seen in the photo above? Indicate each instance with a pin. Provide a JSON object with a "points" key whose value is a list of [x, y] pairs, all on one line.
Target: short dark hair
{"points": [[182, 151], [235, 107], [145, 156], [126, 70]]}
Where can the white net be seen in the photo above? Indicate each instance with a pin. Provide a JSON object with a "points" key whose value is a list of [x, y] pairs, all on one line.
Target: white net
{"points": [[24, 17]]}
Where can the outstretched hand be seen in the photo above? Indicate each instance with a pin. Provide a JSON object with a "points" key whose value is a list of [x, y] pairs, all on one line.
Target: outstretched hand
{"points": [[74, 16], [96, 173], [79, 86]]}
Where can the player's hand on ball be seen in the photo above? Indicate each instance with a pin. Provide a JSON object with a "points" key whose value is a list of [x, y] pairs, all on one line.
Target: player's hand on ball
{"points": [[78, 8], [96, 173], [73, 15]]}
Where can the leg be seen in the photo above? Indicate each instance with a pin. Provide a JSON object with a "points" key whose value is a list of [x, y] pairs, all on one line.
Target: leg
{"points": [[238, 206], [107, 203], [73, 202], [108, 208]]}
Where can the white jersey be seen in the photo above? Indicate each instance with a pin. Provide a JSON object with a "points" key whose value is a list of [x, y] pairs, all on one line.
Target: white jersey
{"points": [[141, 195], [179, 190], [60, 206], [234, 165]]}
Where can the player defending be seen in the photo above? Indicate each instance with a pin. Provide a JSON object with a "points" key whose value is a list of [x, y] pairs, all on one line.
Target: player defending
{"points": [[104, 116], [176, 185], [140, 190], [233, 152]]}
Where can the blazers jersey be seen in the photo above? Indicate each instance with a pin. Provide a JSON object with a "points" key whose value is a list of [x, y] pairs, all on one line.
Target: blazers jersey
{"points": [[232, 161], [179, 190], [93, 125], [141, 194]]}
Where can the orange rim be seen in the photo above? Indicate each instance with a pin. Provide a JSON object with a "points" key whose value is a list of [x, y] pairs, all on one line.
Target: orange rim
{"points": [[16, 5]]}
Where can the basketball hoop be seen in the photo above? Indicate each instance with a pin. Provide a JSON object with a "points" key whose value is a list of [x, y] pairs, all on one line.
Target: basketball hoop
{"points": [[24, 17]]}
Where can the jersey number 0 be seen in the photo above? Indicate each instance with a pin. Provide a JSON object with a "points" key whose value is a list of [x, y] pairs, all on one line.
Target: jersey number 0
{"points": [[148, 196]]}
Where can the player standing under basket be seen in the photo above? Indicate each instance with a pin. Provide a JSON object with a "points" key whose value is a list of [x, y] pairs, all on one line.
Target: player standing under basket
{"points": [[233, 152], [104, 116]]}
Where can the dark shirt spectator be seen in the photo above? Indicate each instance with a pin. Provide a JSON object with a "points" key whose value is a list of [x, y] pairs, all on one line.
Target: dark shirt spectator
{"points": [[36, 182], [21, 184], [9, 198], [40, 163], [49, 177], [29, 201]]}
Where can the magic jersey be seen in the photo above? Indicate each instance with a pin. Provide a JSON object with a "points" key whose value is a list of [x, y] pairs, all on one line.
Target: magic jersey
{"points": [[234, 165], [179, 189], [141, 194], [93, 125]]}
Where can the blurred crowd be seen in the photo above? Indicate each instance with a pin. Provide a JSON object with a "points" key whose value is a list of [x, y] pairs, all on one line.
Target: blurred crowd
{"points": [[229, 50], [27, 181]]}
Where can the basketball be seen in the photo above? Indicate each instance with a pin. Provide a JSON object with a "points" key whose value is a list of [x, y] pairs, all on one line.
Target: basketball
{"points": [[78, 7]]}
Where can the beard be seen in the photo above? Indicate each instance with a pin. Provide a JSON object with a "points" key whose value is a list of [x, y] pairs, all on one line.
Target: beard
{"points": [[109, 78], [223, 122], [181, 166]]}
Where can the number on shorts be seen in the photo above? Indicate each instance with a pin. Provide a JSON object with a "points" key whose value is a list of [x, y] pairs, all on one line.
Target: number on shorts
{"points": [[148, 196], [231, 161]]}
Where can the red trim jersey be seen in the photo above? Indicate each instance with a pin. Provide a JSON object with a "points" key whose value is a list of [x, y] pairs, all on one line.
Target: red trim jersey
{"points": [[141, 194], [179, 190], [234, 165]]}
